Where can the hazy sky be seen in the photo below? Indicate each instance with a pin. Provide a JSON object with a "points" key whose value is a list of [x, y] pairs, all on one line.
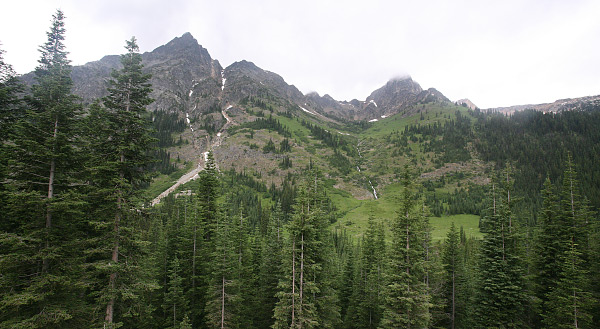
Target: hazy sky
{"points": [[496, 53]]}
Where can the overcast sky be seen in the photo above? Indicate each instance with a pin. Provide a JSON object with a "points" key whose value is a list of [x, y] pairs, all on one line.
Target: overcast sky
{"points": [[496, 53]]}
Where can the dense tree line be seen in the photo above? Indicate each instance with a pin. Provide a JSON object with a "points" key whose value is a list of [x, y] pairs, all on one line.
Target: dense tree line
{"points": [[79, 249], [538, 144]]}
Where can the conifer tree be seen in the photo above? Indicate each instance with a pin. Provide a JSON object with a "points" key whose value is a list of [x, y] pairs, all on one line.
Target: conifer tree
{"points": [[41, 244], [117, 171], [567, 299], [175, 302], [205, 221], [551, 237], [306, 298], [452, 260], [223, 309], [407, 300], [366, 303], [500, 297], [270, 267], [11, 109]]}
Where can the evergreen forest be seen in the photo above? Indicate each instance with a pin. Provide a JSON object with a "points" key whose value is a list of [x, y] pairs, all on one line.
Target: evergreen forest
{"points": [[81, 247]]}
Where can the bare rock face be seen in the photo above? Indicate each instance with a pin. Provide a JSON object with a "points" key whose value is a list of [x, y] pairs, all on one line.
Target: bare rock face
{"points": [[184, 76], [246, 79], [394, 96], [466, 103]]}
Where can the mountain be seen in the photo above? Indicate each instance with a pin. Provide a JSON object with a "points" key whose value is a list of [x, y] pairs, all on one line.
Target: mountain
{"points": [[466, 103], [246, 115], [568, 104]]}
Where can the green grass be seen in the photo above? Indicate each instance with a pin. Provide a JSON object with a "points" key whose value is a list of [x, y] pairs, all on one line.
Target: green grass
{"points": [[441, 226], [396, 122], [355, 215]]}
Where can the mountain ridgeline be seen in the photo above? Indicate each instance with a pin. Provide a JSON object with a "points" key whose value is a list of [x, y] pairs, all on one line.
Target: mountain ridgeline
{"points": [[162, 190]]}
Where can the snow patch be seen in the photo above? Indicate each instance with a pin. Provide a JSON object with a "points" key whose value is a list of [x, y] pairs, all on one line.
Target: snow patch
{"points": [[384, 116], [191, 93], [341, 133], [219, 134], [228, 107], [223, 79], [374, 120], [205, 156], [307, 111], [187, 117], [373, 102]]}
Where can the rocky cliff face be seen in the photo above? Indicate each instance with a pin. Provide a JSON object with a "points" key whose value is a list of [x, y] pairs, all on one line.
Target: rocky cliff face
{"points": [[184, 76], [187, 80], [467, 103], [245, 79]]}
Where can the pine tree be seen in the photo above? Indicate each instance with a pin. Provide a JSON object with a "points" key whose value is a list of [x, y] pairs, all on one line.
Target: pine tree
{"points": [[452, 260], [270, 267], [41, 244], [567, 298], [306, 298], [366, 302], [204, 226], [551, 238], [11, 110], [228, 268], [407, 300], [117, 172], [175, 302], [500, 297]]}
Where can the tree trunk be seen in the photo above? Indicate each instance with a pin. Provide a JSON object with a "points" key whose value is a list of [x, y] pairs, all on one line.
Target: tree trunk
{"points": [[115, 252], [453, 316], [223, 303], [293, 282], [45, 262]]}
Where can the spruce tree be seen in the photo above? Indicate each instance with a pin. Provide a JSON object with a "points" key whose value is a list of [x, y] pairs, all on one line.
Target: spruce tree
{"points": [[452, 260], [500, 297], [223, 308], [366, 302], [11, 109], [175, 301], [567, 301], [270, 267], [40, 243], [117, 170], [205, 221], [551, 237], [407, 300], [307, 298]]}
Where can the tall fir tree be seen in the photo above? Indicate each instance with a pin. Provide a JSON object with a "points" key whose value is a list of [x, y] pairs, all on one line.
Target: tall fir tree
{"points": [[117, 170], [567, 299], [11, 110], [366, 302], [452, 260], [500, 294], [307, 298], [205, 224], [270, 271], [407, 300], [41, 245]]}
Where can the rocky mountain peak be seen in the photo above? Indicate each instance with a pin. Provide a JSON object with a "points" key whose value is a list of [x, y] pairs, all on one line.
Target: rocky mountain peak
{"points": [[180, 47], [467, 103], [395, 95]]}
